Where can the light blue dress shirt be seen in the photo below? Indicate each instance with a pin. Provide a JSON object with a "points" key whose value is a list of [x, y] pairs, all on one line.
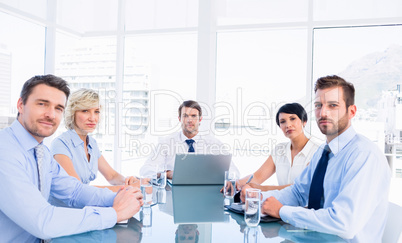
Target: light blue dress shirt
{"points": [[72, 146], [356, 186], [25, 215]]}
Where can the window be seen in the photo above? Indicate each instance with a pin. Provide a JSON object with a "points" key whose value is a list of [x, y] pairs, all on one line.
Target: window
{"points": [[237, 12], [358, 9], [370, 58], [91, 63], [257, 72], [87, 16], [162, 70], [157, 14], [22, 55]]}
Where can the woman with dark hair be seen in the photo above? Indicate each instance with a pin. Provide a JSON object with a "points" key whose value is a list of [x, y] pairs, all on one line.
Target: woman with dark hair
{"points": [[288, 159]]}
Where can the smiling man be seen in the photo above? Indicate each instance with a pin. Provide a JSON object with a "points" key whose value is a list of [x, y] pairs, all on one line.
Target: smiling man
{"points": [[29, 175], [345, 187], [188, 140]]}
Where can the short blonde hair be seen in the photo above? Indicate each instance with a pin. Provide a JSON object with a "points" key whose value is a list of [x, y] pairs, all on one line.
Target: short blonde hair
{"points": [[81, 99]]}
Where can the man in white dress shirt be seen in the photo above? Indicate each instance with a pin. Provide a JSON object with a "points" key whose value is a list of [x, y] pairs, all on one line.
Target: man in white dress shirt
{"points": [[186, 141]]}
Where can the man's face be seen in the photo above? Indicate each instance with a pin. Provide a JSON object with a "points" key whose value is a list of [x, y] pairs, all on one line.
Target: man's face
{"points": [[190, 120], [42, 112], [333, 118], [187, 233]]}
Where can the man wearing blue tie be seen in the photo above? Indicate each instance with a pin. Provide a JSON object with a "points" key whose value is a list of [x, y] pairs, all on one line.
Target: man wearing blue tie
{"points": [[29, 175], [188, 140], [344, 190]]}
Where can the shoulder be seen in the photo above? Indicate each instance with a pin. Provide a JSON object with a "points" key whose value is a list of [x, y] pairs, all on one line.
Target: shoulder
{"points": [[281, 147], [9, 140], [63, 144], [311, 147], [361, 144], [11, 148], [63, 139], [361, 151], [209, 139], [315, 143], [280, 151], [169, 138]]}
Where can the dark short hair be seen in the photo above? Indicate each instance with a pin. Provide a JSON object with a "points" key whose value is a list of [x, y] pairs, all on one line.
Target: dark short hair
{"points": [[49, 80], [191, 104], [292, 108], [336, 81]]}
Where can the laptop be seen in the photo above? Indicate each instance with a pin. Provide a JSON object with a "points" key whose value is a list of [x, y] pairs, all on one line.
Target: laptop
{"points": [[200, 169]]}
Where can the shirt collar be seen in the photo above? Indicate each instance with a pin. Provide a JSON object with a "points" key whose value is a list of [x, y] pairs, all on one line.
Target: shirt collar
{"points": [[304, 151], [338, 143], [26, 139], [77, 141]]}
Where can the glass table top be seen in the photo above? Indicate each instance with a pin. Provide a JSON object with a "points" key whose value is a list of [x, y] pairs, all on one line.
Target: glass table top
{"points": [[195, 214]]}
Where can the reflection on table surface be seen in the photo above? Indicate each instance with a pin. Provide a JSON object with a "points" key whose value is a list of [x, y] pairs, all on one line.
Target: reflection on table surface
{"points": [[195, 214]]}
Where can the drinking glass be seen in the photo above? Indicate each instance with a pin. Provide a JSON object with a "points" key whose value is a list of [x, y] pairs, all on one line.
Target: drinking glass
{"points": [[146, 189], [229, 187], [146, 219], [161, 195], [252, 207], [161, 176], [251, 235]]}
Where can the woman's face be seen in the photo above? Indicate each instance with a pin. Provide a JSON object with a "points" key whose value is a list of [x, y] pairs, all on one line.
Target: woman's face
{"points": [[86, 120], [291, 125]]}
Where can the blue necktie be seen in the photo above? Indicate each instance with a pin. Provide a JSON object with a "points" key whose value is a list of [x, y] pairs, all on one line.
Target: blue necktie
{"points": [[315, 198], [190, 145]]}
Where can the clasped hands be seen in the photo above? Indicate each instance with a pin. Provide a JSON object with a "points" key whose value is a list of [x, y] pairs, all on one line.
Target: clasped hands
{"points": [[127, 202], [131, 181]]}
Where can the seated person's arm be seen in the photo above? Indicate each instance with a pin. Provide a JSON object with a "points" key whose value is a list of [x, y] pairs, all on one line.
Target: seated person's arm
{"points": [[266, 187], [67, 165], [113, 177], [263, 173]]}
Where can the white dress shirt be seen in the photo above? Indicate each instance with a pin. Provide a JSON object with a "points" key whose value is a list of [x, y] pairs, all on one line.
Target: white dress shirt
{"points": [[168, 147], [286, 173]]}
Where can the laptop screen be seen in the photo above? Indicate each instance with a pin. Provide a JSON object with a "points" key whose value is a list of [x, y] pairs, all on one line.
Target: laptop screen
{"points": [[200, 169]]}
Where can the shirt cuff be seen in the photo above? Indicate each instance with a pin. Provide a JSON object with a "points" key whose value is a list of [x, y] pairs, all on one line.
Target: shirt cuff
{"points": [[110, 199], [286, 214], [108, 216], [266, 195]]}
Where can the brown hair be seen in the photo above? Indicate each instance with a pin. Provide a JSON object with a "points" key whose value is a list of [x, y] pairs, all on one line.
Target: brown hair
{"points": [[49, 80], [336, 81], [191, 104]]}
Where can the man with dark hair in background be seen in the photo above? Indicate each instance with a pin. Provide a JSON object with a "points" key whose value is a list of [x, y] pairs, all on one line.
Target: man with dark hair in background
{"points": [[188, 140]]}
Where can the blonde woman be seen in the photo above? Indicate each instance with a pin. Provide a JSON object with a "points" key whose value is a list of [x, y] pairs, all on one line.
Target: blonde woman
{"points": [[76, 151]]}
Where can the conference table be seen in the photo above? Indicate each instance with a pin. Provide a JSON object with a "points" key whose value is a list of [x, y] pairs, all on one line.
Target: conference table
{"points": [[195, 214]]}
